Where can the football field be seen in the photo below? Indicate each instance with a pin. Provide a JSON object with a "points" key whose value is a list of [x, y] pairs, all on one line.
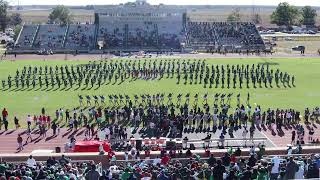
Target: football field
{"points": [[23, 101]]}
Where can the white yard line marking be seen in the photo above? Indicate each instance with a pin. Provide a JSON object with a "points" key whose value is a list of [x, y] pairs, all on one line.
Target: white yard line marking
{"points": [[268, 139]]}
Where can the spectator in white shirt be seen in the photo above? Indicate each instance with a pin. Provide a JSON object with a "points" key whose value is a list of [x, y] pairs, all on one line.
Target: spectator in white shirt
{"points": [[31, 162], [29, 120], [300, 173], [152, 125], [107, 131]]}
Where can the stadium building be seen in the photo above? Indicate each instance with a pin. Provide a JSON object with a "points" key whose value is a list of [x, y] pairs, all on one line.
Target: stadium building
{"points": [[139, 26]]}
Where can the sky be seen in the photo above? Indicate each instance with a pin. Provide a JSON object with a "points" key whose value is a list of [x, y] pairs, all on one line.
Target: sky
{"points": [[179, 2]]}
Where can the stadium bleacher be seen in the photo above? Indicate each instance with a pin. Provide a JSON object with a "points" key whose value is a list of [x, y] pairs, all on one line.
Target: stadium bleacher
{"points": [[224, 36], [80, 36], [142, 28], [27, 36], [50, 36], [112, 34], [169, 35], [142, 34]]}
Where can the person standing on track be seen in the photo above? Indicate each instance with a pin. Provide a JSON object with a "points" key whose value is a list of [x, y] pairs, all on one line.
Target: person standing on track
{"points": [[4, 117], [244, 135], [54, 128], [16, 122], [252, 129], [20, 140], [293, 137], [28, 135], [6, 124]]}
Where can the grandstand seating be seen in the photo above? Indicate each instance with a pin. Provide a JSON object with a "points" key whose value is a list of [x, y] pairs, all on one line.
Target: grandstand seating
{"points": [[113, 34], [50, 36], [27, 35], [80, 36], [169, 35], [224, 36], [202, 34], [140, 35], [143, 35]]}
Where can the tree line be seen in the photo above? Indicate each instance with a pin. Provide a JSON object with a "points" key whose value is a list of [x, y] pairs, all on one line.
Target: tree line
{"points": [[59, 15], [284, 15], [288, 15]]}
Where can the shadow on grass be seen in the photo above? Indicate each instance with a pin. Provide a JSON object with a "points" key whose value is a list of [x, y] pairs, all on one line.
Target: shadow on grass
{"points": [[269, 63]]}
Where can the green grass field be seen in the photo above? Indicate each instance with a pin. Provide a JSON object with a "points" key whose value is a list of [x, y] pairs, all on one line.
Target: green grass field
{"points": [[305, 94]]}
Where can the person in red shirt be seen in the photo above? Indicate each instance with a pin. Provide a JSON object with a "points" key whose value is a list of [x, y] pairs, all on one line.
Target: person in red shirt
{"points": [[147, 153], [4, 117], [194, 165], [4, 114], [44, 120], [165, 159], [39, 120], [110, 154], [233, 158]]}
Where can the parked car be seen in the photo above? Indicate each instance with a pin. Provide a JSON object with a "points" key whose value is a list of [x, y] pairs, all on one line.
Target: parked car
{"points": [[288, 38], [5, 39], [299, 48], [311, 32]]}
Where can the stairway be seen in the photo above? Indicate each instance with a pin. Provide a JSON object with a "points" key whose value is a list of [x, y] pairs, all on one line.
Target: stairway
{"points": [[95, 39], [18, 37], [65, 36], [35, 35]]}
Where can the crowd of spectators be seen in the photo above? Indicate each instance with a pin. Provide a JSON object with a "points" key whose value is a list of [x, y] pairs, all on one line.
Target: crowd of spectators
{"points": [[50, 36], [224, 36], [216, 36], [146, 34], [232, 166], [27, 36], [170, 166], [53, 169], [113, 35], [80, 36], [142, 35]]}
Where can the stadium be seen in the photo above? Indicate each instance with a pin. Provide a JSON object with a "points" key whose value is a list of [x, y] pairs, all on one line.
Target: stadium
{"points": [[139, 27], [143, 91]]}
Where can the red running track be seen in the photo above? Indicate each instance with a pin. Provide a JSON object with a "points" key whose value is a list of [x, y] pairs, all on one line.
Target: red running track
{"points": [[8, 139]]}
